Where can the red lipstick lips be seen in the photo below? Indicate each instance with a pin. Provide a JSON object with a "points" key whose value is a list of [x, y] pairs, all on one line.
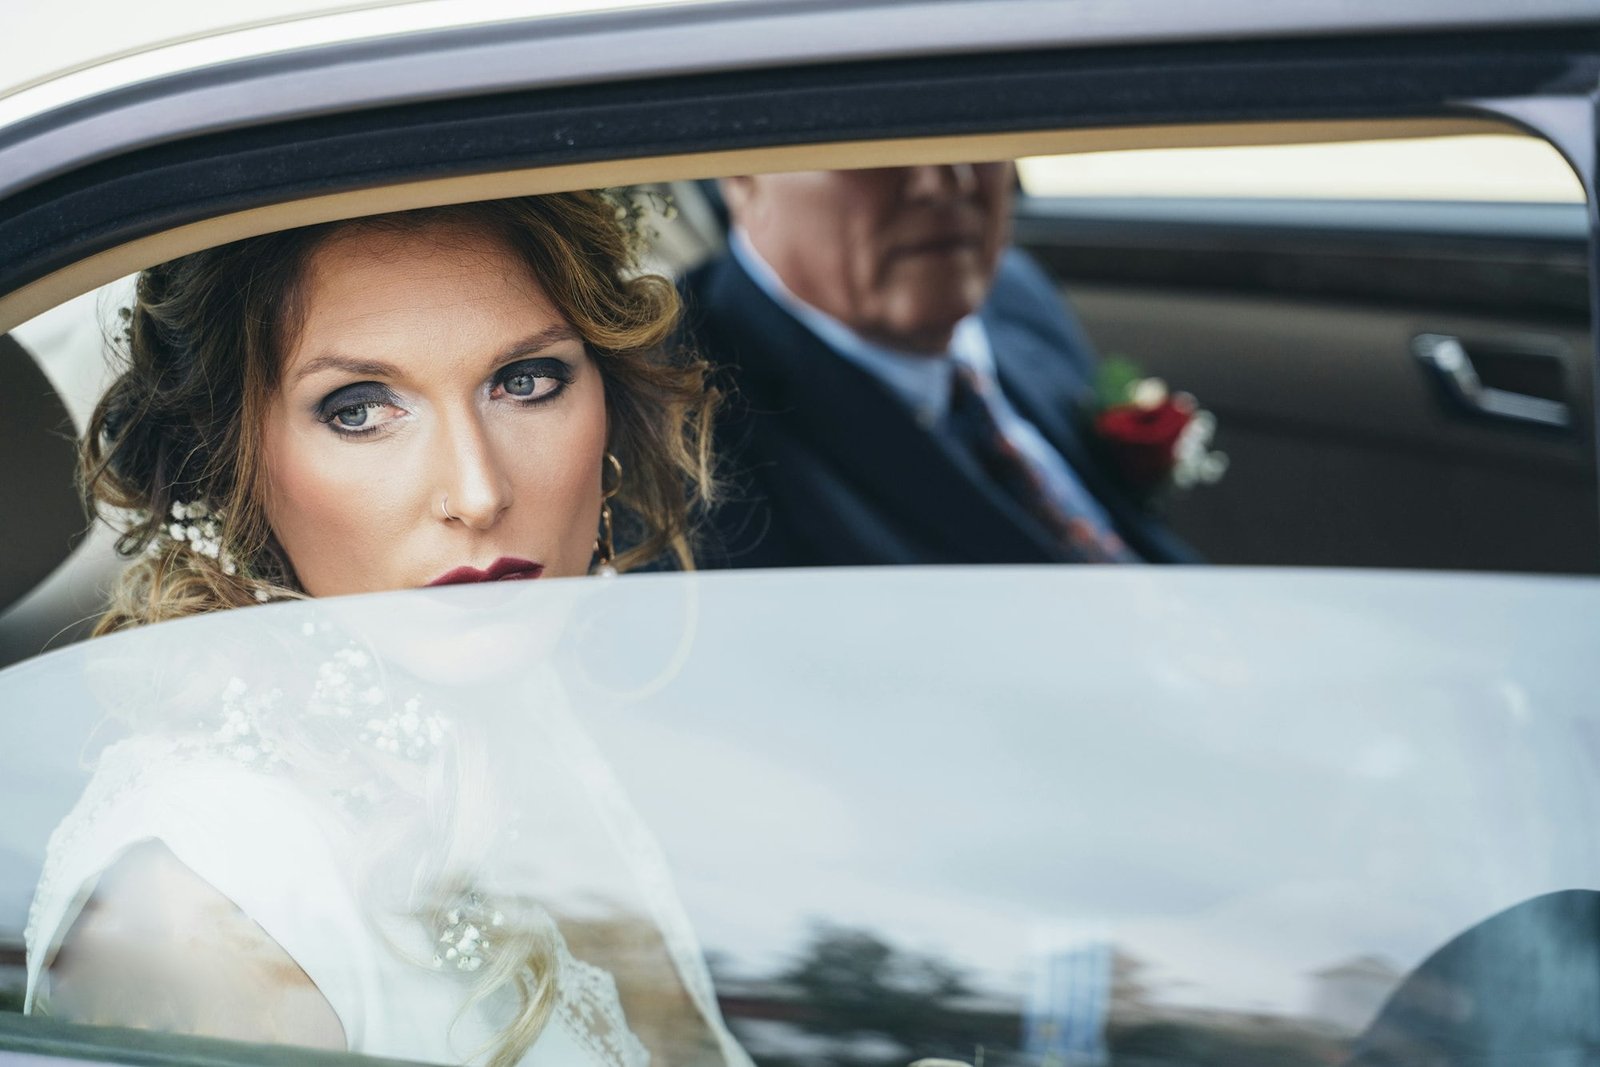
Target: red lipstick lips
{"points": [[504, 569]]}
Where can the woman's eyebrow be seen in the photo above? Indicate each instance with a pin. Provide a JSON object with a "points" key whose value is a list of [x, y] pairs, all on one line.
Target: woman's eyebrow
{"points": [[365, 368], [551, 335]]}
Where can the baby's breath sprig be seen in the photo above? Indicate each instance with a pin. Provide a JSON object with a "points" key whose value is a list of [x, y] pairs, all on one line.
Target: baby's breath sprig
{"points": [[197, 526], [637, 207]]}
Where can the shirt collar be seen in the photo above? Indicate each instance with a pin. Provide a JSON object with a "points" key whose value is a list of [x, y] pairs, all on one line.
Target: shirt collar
{"points": [[920, 381]]}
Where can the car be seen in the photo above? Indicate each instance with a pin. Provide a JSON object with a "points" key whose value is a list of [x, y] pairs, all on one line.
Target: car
{"points": [[1153, 815]]}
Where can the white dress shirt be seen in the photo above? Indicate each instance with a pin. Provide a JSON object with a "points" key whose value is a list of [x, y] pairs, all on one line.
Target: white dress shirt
{"points": [[922, 381]]}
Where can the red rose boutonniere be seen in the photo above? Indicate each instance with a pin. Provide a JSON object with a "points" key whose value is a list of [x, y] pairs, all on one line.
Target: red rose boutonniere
{"points": [[1153, 438]]}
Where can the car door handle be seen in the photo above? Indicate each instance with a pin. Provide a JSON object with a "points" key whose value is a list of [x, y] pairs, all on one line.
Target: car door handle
{"points": [[1450, 363]]}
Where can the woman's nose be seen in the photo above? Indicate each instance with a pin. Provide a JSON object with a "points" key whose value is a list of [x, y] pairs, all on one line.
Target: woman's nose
{"points": [[475, 486]]}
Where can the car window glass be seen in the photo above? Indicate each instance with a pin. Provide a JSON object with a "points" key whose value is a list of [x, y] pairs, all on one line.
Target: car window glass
{"points": [[1203, 817]]}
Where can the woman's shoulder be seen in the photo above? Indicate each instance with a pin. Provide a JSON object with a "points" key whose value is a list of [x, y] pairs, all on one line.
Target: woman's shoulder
{"points": [[201, 825], [156, 946], [242, 883], [211, 807]]}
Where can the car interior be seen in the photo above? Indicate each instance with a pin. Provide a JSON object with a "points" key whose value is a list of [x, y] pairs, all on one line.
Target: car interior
{"points": [[1315, 329]]}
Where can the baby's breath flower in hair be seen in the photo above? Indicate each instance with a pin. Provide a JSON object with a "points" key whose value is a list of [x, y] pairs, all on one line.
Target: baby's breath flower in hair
{"points": [[198, 527], [636, 206]]}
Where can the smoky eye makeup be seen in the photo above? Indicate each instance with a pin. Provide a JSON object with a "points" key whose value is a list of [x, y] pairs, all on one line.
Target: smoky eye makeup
{"points": [[345, 409], [533, 380], [355, 410]]}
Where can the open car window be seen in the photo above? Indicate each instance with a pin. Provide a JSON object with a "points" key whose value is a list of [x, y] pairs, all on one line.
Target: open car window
{"points": [[1392, 330]]}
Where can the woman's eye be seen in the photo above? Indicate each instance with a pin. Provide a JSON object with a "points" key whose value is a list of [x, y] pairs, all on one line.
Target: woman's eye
{"points": [[522, 385], [353, 417], [359, 411], [533, 380]]}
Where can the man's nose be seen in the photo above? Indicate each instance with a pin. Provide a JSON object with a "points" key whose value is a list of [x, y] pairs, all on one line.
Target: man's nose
{"points": [[941, 182], [475, 487]]}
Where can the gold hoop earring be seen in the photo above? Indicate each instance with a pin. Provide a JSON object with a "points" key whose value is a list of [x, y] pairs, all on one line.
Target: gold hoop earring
{"points": [[615, 465], [604, 548]]}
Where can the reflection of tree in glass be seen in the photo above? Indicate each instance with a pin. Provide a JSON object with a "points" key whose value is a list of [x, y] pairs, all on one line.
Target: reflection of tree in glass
{"points": [[1143, 1033], [1130, 990], [855, 985], [854, 976], [13, 975], [1260, 1042], [852, 999]]}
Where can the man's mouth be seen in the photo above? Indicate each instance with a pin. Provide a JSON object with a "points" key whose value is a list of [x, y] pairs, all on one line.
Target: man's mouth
{"points": [[940, 245], [504, 569]]}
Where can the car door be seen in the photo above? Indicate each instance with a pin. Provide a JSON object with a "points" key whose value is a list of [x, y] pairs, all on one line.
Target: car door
{"points": [[148, 171], [1392, 331]]}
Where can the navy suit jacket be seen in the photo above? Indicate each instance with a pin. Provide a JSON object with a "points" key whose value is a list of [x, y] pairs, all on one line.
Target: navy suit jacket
{"points": [[825, 465]]}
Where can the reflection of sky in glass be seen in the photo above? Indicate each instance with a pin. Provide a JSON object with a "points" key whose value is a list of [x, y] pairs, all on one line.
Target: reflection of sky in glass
{"points": [[1243, 777], [1249, 776]]}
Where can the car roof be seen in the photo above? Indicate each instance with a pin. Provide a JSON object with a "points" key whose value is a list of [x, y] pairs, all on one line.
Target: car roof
{"points": [[56, 59], [48, 42]]}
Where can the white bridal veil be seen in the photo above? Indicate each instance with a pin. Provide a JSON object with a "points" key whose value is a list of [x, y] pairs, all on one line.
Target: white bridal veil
{"points": [[395, 791]]}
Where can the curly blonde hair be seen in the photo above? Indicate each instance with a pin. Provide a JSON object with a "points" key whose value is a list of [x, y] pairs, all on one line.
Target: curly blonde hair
{"points": [[206, 339]]}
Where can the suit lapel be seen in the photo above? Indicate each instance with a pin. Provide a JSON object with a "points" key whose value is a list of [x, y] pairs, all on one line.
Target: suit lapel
{"points": [[795, 384], [1049, 391]]}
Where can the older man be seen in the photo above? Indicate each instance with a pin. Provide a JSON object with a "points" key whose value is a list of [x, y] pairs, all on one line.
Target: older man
{"points": [[905, 387]]}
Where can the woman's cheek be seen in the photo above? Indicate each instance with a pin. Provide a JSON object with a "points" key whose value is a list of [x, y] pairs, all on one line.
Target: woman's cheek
{"points": [[332, 515], [560, 509], [559, 462]]}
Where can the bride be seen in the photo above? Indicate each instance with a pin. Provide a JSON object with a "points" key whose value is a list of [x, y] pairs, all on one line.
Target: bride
{"points": [[477, 393]]}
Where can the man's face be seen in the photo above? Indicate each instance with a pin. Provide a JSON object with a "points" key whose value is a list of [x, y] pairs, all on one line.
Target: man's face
{"points": [[898, 254]]}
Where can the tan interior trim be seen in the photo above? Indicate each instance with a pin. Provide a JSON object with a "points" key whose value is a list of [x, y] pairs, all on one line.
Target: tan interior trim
{"points": [[88, 274]]}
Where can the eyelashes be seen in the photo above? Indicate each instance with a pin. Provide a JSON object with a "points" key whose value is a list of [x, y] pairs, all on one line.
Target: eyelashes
{"points": [[359, 410], [347, 409], [534, 380]]}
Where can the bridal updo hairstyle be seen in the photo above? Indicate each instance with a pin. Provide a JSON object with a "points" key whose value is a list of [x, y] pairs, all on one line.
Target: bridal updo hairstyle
{"points": [[205, 343]]}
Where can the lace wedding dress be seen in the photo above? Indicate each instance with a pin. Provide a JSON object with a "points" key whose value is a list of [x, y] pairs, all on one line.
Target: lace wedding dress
{"points": [[311, 798]]}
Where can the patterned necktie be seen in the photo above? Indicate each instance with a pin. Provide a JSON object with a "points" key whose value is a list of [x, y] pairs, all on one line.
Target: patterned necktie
{"points": [[1083, 539]]}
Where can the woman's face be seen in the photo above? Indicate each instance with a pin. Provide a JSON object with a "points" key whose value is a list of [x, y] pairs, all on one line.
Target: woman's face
{"points": [[435, 412]]}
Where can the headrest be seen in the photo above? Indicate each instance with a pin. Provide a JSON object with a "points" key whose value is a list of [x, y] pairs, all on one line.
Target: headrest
{"points": [[44, 519]]}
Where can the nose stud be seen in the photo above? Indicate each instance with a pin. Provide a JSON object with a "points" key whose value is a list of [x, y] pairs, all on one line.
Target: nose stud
{"points": [[444, 508]]}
